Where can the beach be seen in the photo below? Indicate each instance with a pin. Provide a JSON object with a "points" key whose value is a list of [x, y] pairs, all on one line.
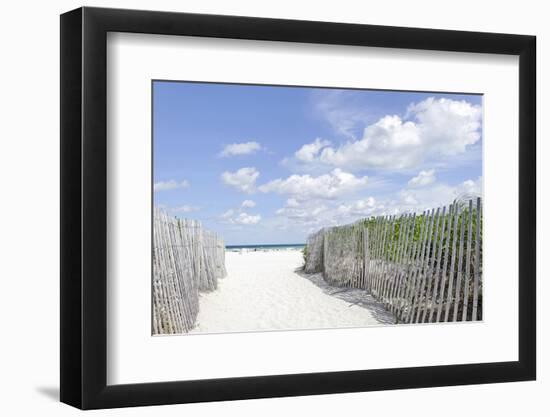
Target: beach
{"points": [[266, 290]]}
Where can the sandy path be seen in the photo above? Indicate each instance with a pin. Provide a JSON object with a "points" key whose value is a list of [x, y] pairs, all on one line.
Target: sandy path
{"points": [[264, 291]]}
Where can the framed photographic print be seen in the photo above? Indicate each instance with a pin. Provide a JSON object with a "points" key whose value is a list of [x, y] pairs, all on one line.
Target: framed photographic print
{"points": [[257, 207]]}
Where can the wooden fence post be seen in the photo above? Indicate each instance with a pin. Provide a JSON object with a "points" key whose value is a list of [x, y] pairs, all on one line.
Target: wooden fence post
{"points": [[466, 295], [366, 260], [437, 272], [459, 272], [451, 271], [477, 259]]}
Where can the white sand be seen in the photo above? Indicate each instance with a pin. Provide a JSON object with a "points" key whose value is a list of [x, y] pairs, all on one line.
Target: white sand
{"points": [[266, 291]]}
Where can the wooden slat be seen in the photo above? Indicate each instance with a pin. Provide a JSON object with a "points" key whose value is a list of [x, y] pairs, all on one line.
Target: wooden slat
{"points": [[381, 258], [390, 260], [438, 273], [360, 256], [419, 267], [411, 275], [467, 278], [325, 238], [373, 248], [425, 268], [431, 268], [404, 273], [477, 259], [444, 274], [390, 264], [401, 261], [381, 254], [365, 256], [403, 230], [459, 272], [369, 250], [451, 270]]}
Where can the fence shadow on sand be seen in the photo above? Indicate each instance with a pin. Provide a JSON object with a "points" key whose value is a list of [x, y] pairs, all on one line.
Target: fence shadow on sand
{"points": [[353, 296]]}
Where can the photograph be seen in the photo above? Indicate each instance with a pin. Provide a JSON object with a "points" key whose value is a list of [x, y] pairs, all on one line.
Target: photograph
{"points": [[294, 208], [302, 203]]}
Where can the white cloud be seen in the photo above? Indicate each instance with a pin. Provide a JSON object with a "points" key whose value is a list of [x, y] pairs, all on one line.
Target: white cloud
{"points": [[244, 218], [170, 185], [240, 218], [408, 198], [233, 216], [433, 196], [227, 214], [243, 179], [184, 209], [305, 214], [245, 148], [248, 204], [292, 202], [469, 187], [423, 178], [327, 186], [308, 152], [343, 110], [312, 214], [364, 207], [431, 129]]}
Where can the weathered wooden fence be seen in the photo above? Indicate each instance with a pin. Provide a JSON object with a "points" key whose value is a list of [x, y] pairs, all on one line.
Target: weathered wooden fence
{"points": [[186, 259], [314, 251], [423, 268]]}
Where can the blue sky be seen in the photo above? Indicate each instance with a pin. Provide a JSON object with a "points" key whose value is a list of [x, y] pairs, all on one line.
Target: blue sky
{"points": [[270, 164]]}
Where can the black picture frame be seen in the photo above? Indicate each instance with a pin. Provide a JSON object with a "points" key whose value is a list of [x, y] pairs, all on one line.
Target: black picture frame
{"points": [[84, 207]]}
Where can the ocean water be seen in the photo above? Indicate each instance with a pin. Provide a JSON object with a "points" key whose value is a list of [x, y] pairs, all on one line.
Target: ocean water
{"points": [[265, 247]]}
